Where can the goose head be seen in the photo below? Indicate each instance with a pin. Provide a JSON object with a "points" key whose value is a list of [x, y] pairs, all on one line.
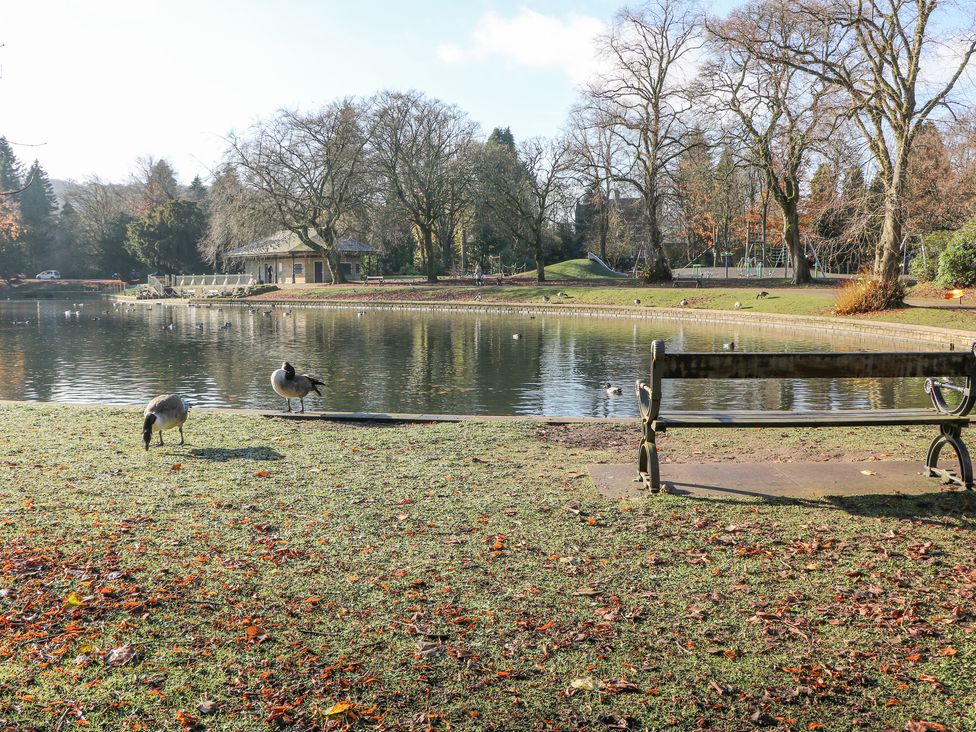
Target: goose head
{"points": [[147, 429], [289, 370]]}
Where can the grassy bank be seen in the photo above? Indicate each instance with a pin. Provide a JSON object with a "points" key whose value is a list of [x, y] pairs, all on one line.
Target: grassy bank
{"points": [[462, 576], [816, 300]]}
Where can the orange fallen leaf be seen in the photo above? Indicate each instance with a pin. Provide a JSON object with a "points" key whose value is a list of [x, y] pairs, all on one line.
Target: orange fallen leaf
{"points": [[175, 466], [341, 710], [948, 651], [74, 600], [262, 474]]}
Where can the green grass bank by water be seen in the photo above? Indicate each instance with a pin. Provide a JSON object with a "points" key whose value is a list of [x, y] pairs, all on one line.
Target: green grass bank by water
{"points": [[462, 576]]}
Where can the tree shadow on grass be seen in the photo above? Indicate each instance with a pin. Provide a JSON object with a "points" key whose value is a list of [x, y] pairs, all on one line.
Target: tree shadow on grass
{"points": [[223, 454]]}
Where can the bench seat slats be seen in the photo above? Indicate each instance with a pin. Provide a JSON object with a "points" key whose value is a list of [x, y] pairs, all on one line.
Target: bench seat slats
{"points": [[812, 365], [823, 418]]}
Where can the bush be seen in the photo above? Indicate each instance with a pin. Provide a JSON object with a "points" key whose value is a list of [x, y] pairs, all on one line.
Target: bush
{"points": [[925, 266], [957, 264], [865, 294]]}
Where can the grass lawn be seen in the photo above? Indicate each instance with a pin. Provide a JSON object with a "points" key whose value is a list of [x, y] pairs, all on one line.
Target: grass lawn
{"points": [[462, 576], [576, 269], [816, 300]]}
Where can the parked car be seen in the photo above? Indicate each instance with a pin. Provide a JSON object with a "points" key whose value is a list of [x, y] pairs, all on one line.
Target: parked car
{"points": [[48, 274]]}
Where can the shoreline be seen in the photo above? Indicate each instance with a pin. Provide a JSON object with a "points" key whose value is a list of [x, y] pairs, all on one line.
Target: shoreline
{"points": [[951, 338]]}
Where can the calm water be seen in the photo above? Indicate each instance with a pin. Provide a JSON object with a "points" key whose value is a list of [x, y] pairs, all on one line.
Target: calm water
{"points": [[396, 362]]}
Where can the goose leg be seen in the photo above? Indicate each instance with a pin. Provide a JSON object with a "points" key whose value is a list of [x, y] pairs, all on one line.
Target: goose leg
{"points": [[288, 402], [181, 436], [160, 438], [302, 400]]}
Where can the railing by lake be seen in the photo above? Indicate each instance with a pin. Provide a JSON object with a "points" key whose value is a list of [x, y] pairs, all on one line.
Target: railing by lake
{"points": [[210, 285]]}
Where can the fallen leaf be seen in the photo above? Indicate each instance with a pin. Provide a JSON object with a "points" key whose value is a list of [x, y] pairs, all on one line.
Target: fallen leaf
{"points": [[175, 466], [120, 656], [262, 474], [73, 600], [206, 706], [948, 651], [587, 683], [588, 591], [341, 710], [868, 472]]}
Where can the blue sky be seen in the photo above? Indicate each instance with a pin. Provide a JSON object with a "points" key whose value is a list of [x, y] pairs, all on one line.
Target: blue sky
{"points": [[97, 84]]}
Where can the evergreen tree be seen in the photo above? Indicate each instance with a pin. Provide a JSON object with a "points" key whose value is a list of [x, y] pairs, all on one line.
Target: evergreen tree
{"points": [[166, 238], [502, 136], [197, 192], [10, 177], [38, 205]]}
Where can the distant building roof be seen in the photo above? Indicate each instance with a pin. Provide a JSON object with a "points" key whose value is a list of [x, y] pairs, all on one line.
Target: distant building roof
{"points": [[285, 243]]}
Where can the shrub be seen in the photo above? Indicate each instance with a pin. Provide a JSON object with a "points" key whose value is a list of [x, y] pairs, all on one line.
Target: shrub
{"points": [[925, 266], [957, 264], [865, 294]]}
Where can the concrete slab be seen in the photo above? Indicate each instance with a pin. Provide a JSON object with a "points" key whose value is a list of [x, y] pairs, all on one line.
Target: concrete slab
{"points": [[769, 480]]}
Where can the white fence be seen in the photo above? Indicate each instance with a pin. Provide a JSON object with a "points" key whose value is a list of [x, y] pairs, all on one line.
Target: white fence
{"points": [[199, 285]]}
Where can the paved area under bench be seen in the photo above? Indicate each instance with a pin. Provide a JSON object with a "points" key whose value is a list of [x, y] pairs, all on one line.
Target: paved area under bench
{"points": [[769, 480]]}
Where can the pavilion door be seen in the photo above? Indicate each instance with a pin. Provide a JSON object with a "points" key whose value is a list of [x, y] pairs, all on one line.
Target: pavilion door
{"points": [[319, 277]]}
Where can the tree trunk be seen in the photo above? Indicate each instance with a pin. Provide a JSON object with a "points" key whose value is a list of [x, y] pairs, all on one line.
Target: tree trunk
{"points": [[429, 260], [604, 228], [791, 235], [334, 263], [658, 268], [888, 263], [540, 265]]}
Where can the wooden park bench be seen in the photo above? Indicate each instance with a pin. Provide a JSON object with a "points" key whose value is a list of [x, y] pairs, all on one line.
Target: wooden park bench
{"points": [[373, 278], [950, 418]]}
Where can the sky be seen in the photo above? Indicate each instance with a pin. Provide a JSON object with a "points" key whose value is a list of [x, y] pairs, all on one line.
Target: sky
{"points": [[87, 87]]}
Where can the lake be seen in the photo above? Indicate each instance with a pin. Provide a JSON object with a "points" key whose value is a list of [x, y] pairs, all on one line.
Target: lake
{"points": [[382, 361]]}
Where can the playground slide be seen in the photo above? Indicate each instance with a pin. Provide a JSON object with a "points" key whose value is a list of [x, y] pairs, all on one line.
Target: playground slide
{"points": [[595, 258]]}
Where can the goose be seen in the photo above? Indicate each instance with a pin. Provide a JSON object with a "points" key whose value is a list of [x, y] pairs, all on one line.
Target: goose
{"points": [[762, 295], [164, 413], [683, 303], [516, 336], [545, 298], [561, 294], [227, 325], [737, 305], [612, 390], [728, 346], [636, 302], [266, 313], [290, 385]]}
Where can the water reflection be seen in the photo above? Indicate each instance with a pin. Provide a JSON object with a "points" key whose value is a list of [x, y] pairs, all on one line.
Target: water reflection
{"points": [[398, 362]]}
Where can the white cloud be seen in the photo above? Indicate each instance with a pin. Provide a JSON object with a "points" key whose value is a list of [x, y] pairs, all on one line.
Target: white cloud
{"points": [[533, 39]]}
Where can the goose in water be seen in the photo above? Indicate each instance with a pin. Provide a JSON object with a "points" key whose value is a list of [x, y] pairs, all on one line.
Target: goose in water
{"points": [[164, 413], [516, 336], [290, 385], [612, 390], [728, 346]]}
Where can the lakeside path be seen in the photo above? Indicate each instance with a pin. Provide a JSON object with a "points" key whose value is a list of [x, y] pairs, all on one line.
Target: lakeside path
{"points": [[463, 576], [923, 309]]}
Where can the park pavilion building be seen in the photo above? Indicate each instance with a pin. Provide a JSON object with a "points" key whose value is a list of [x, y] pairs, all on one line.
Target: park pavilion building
{"points": [[284, 258]]}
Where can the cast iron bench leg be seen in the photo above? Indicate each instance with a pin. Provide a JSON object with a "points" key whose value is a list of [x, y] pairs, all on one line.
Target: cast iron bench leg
{"points": [[647, 464], [951, 435]]}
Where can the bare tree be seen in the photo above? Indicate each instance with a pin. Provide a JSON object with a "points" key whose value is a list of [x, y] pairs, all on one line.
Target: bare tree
{"points": [[874, 52], [419, 150], [649, 51], [311, 168], [235, 213], [595, 147], [780, 114], [527, 190]]}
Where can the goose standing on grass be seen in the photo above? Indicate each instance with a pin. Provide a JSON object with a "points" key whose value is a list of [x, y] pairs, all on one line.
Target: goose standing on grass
{"points": [[612, 390], [164, 413], [290, 385]]}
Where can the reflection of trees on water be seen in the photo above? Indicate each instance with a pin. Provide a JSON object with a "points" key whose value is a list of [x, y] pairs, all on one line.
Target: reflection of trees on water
{"points": [[399, 361]]}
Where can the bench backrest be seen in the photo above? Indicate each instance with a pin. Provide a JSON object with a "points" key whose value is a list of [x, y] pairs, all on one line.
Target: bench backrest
{"points": [[854, 365]]}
